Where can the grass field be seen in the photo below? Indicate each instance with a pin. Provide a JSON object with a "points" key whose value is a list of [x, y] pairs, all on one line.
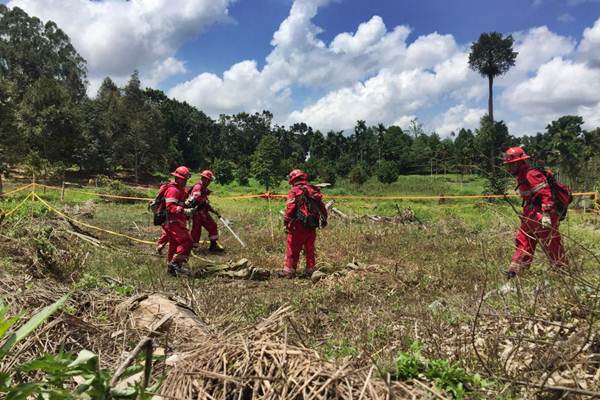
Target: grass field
{"points": [[420, 282]]}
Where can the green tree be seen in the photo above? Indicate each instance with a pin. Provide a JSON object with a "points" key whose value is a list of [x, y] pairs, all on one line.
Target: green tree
{"points": [[49, 121], [386, 171], [223, 170], [568, 144], [143, 146], [491, 139], [358, 174], [464, 151], [492, 55], [30, 50], [104, 123], [265, 161]]}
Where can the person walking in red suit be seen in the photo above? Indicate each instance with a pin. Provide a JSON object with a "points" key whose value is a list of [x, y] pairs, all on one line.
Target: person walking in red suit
{"points": [[540, 220], [198, 199], [175, 227], [304, 213]]}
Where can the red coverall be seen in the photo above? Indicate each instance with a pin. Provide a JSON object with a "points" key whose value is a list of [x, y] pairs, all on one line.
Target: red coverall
{"points": [[537, 198], [180, 241], [202, 219], [298, 235]]}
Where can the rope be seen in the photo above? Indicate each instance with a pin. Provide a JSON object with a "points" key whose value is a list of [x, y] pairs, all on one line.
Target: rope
{"points": [[113, 196], [8, 213], [88, 225], [269, 195], [15, 190]]}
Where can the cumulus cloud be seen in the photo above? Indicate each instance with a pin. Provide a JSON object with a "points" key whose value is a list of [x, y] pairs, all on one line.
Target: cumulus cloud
{"points": [[371, 73], [457, 117], [559, 86], [589, 48], [116, 37], [386, 96]]}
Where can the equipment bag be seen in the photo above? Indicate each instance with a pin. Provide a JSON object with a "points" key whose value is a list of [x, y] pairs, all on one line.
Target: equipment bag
{"points": [[158, 206], [561, 193], [308, 206]]}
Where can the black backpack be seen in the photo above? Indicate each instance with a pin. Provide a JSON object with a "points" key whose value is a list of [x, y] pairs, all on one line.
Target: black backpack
{"points": [[158, 206], [561, 193], [308, 210]]}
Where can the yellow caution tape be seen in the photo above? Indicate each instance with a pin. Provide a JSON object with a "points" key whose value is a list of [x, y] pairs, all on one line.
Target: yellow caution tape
{"points": [[15, 190], [8, 213], [88, 225]]}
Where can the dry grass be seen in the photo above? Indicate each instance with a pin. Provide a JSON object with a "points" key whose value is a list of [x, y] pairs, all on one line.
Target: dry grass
{"points": [[419, 282]]}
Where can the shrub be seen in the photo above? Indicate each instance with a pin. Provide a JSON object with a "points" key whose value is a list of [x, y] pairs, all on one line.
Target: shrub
{"points": [[223, 170], [387, 171], [358, 174]]}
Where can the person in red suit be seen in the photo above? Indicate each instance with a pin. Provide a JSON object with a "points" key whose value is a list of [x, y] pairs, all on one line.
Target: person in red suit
{"points": [[539, 220], [304, 213], [175, 227], [198, 199]]}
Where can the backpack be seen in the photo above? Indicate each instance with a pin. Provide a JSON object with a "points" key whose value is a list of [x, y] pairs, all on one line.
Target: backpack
{"points": [[561, 193], [158, 206], [308, 206]]}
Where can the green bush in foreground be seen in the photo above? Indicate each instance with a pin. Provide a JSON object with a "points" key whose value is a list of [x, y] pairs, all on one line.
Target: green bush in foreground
{"points": [[58, 370], [453, 380]]}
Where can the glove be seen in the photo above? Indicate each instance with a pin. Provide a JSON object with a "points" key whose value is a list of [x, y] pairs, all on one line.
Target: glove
{"points": [[188, 212], [546, 221], [323, 222]]}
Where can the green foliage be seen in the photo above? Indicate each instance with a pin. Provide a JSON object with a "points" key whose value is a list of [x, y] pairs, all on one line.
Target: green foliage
{"points": [[386, 171], [453, 380], [243, 175], [490, 141], [265, 162], [8, 342], [223, 171], [492, 55], [358, 174], [58, 370]]}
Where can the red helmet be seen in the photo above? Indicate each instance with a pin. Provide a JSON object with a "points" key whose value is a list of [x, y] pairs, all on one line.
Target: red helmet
{"points": [[182, 173], [296, 174], [514, 154], [207, 174]]}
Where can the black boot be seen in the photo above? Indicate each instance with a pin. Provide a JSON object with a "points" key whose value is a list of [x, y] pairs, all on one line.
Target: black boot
{"points": [[215, 247], [173, 269]]}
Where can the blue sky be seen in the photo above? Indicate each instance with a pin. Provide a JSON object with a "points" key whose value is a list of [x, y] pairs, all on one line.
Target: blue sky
{"points": [[331, 62]]}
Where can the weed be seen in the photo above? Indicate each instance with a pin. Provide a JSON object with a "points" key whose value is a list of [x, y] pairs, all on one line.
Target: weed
{"points": [[338, 348], [454, 380]]}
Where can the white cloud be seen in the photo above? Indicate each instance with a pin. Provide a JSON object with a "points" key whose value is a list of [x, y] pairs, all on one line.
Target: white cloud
{"points": [[371, 73], [565, 18], [560, 86], [537, 46], [367, 34], [385, 97], [116, 37], [589, 48], [457, 117]]}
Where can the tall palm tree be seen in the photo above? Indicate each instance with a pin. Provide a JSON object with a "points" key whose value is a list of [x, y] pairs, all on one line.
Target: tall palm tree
{"points": [[492, 55]]}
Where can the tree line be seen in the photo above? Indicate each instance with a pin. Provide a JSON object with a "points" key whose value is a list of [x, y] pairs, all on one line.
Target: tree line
{"points": [[48, 121]]}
